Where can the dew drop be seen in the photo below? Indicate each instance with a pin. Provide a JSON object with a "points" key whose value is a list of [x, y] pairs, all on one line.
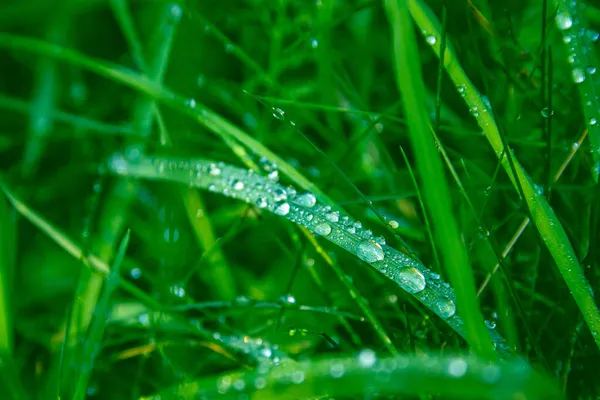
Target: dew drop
{"points": [[370, 251], [490, 324], [278, 113], [593, 121], [306, 200], [237, 185], [546, 112], [177, 291], [279, 194], [282, 209], [578, 75], [430, 39], [191, 103], [591, 70], [213, 170], [261, 202], [457, 367], [336, 370], [333, 216], [367, 358], [314, 43], [564, 20], [322, 229], [411, 280], [393, 224], [135, 273], [592, 35], [445, 307]]}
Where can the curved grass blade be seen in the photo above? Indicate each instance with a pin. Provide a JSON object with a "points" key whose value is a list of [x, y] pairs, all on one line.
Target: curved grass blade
{"points": [[435, 187], [8, 249], [547, 223], [368, 376], [305, 210]]}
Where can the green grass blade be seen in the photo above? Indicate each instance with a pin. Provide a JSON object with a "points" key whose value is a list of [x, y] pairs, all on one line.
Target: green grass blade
{"points": [[347, 376], [8, 248], [580, 44], [434, 185], [92, 343], [304, 210], [548, 225]]}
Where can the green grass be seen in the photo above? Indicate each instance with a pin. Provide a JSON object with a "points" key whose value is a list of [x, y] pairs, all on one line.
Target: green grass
{"points": [[181, 185]]}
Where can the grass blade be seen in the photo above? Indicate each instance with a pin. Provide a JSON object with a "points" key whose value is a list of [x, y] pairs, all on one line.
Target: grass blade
{"points": [[542, 214], [434, 186]]}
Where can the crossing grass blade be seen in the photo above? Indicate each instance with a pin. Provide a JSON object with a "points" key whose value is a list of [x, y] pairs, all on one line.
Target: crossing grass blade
{"points": [[434, 185], [547, 223]]}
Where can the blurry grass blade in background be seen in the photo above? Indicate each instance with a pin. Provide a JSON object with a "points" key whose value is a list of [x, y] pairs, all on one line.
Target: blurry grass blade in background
{"points": [[92, 344], [8, 258], [456, 377], [433, 181], [542, 214]]}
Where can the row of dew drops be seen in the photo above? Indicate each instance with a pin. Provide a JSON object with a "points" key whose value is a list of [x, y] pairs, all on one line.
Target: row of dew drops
{"points": [[321, 219]]}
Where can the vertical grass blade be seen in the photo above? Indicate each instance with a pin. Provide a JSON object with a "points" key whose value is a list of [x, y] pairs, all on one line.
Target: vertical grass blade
{"points": [[434, 186], [8, 248], [581, 44], [548, 225], [92, 343]]}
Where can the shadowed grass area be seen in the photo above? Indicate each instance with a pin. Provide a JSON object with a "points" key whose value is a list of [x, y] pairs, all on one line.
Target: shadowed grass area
{"points": [[182, 185]]}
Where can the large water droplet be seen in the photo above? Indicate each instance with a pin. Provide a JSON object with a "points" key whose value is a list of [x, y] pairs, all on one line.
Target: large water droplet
{"points": [[237, 184], [282, 209], [445, 307], [323, 229], [564, 20], [369, 251], [411, 280], [457, 367], [306, 200]]}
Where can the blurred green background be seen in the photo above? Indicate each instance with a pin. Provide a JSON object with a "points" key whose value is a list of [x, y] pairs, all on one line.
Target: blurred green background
{"points": [[314, 82]]}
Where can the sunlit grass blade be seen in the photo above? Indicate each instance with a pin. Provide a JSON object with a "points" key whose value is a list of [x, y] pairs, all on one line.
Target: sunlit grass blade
{"points": [[547, 223], [434, 186], [349, 376]]}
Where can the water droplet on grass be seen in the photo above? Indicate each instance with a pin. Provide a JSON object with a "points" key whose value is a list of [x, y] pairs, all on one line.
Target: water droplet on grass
{"points": [[547, 113], [237, 184], [564, 20], [430, 39], [322, 229], [282, 209], [261, 202], [445, 307], [191, 103], [336, 370], [306, 200], [593, 121], [314, 43], [578, 75], [457, 367], [278, 113], [369, 251], [411, 280], [393, 224], [367, 358]]}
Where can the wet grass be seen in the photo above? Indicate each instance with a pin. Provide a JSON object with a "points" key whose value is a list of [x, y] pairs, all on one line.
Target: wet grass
{"points": [[182, 183]]}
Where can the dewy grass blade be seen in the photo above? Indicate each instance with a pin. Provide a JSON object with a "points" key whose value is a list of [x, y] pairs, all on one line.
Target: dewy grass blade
{"points": [[434, 186], [306, 210], [580, 42], [348, 375], [543, 216]]}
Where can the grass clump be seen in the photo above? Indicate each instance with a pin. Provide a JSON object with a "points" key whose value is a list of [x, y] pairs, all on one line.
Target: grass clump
{"points": [[178, 179]]}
